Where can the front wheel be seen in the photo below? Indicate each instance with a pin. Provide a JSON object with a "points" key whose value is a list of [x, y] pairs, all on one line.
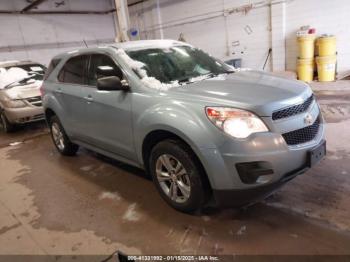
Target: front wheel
{"points": [[6, 125], [60, 139], [177, 176]]}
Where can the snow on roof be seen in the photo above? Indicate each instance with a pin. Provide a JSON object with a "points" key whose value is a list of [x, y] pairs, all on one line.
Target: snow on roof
{"points": [[144, 44]]}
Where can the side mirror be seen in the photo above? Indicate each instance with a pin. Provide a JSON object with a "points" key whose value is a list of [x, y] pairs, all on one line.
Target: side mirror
{"points": [[112, 83]]}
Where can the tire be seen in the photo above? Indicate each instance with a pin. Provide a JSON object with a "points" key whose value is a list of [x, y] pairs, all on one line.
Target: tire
{"points": [[60, 139], [6, 125], [191, 187]]}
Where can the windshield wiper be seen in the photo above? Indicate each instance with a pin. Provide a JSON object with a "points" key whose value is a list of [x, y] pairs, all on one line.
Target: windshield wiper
{"points": [[184, 80], [19, 82]]}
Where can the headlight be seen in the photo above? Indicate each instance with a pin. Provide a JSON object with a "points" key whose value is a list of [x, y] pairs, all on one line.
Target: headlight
{"points": [[15, 103], [235, 122]]}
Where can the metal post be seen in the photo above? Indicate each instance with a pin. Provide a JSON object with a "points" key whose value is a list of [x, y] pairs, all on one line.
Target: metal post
{"points": [[123, 20]]}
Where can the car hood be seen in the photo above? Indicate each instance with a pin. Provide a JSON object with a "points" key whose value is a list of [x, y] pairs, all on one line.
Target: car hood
{"points": [[256, 91], [22, 92]]}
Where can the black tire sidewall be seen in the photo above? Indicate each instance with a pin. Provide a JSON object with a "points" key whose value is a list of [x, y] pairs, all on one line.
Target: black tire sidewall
{"points": [[183, 154], [6, 125], [69, 148]]}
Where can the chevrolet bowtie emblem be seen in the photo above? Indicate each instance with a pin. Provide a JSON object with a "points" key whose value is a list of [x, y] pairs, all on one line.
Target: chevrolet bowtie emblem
{"points": [[308, 119]]}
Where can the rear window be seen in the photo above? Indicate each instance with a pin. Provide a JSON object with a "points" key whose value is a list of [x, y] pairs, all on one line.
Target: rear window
{"points": [[52, 66], [73, 72]]}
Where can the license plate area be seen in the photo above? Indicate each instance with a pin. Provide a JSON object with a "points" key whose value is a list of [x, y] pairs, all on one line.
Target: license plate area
{"points": [[316, 154]]}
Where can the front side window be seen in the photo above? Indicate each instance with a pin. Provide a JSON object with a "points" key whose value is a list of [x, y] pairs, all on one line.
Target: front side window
{"points": [[102, 66], [73, 71]]}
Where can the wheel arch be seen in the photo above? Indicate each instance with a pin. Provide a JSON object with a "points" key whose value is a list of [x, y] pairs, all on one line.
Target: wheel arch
{"points": [[48, 114], [156, 136]]}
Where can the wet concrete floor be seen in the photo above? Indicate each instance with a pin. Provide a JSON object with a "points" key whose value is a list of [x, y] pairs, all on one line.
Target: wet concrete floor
{"points": [[89, 204]]}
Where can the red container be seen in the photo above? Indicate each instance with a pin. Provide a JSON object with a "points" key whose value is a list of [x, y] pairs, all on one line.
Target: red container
{"points": [[312, 31]]}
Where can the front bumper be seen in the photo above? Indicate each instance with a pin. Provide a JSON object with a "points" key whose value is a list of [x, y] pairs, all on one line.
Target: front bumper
{"points": [[24, 115], [264, 153], [244, 197]]}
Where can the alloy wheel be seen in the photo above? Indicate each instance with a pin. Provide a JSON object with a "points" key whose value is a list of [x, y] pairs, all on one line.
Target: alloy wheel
{"points": [[57, 135], [173, 178]]}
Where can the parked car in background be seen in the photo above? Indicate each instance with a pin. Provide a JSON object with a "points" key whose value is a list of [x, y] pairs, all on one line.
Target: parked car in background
{"points": [[20, 100], [202, 129]]}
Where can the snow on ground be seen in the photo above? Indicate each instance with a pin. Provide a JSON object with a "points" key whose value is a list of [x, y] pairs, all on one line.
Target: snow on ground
{"points": [[131, 214], [109, 195]]}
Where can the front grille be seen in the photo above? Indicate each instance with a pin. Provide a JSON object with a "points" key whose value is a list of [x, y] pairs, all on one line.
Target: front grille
{"points": [[39, 117], [35, 101], [293, 110], [302, 135]]}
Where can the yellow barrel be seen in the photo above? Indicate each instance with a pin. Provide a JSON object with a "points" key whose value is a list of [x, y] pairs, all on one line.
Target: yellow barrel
{"points": [[326, 45], [306, 45], [305, 69], [326, 68]]}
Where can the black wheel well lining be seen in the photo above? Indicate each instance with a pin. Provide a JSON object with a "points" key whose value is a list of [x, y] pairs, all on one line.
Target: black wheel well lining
{"points": [[157, 136]]}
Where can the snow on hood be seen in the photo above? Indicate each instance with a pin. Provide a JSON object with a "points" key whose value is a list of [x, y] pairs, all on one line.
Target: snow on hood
{"points": [[20, 92], [11, 75]]}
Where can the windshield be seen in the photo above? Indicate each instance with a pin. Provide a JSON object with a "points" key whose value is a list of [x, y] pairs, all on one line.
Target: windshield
{"points": [[20, 75], [35, 71], [178, 63]]}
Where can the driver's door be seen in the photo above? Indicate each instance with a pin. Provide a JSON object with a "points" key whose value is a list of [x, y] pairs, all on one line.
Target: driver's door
{"points": [[108, 115]]}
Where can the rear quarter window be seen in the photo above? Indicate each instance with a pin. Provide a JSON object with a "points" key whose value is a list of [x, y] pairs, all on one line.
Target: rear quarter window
{"points": [[52, 66]]}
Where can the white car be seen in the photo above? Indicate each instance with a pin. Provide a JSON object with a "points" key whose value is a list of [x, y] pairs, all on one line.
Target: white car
{"points": [[20, 99]]}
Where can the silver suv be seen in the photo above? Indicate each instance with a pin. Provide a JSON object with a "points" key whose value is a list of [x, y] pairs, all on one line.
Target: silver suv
{"points": [[205, 132]]}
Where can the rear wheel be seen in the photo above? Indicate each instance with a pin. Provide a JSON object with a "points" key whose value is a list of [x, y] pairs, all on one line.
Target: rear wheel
{"points": [[60, 139], [178, 176], [5, 124]]}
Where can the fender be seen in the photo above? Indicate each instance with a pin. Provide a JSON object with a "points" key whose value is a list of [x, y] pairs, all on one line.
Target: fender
{"points": [[177, 119], [50, 102]]}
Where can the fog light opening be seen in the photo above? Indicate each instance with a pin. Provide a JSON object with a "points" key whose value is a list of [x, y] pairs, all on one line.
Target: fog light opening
{"points": [[258, 172]]}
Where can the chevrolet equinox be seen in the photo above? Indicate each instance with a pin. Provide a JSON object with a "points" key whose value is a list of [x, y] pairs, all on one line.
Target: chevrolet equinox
{"points": [[206, 132]]}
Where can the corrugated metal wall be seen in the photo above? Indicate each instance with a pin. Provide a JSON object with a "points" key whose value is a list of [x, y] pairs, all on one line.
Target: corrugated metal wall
{"points": [[249, 35], [227, 36], [327, 16], [233, 33], [39, 37]]}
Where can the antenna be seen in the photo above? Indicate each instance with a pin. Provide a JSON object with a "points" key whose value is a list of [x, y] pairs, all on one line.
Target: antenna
{"points": [[85, 43]]}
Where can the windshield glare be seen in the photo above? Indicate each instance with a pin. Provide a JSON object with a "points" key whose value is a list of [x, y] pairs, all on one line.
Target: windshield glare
{"points": [[178, 63]]}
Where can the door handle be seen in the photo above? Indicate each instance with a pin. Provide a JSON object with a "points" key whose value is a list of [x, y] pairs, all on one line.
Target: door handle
{"points": [[89, 99]]}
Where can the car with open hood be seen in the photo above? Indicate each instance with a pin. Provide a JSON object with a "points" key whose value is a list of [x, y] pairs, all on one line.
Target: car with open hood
{"points": [[20, 99], [206, 132]]}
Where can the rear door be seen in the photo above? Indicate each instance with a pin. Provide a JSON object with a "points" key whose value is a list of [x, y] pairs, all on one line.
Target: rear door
{"points": [[108, 116], [69, 93]]}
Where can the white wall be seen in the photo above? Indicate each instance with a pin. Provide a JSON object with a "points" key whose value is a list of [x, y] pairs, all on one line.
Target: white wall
{"points": [[39, 37], [328, 17], [271, 26], [249, 32]]}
